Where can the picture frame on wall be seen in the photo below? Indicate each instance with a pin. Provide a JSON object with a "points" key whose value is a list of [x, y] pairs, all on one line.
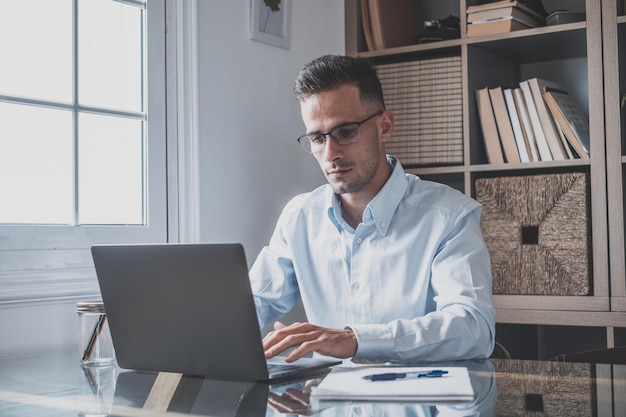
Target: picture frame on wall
{"points": [[270, 22]]}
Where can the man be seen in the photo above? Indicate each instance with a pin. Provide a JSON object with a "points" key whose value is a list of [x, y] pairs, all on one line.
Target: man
{"points": [[388, 266]]}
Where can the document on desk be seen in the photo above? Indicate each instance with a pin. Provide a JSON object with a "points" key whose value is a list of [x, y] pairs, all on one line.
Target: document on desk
{"points": [[396, 384]]}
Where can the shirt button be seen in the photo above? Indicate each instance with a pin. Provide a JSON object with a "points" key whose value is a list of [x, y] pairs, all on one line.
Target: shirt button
{"points": [[382, 224], [355, 287], [359, 240]]}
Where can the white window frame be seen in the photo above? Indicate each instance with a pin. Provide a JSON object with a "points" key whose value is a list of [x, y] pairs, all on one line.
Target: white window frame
{"points": [[183, 121], [50, 263]]}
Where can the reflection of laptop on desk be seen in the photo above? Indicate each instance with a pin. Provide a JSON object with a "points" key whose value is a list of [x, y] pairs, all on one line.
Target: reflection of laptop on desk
{"points": [[189, 395], [187, 309]]}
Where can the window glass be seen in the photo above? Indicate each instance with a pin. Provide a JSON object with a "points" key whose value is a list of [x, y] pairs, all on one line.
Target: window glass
{"points": [[110, 55], [36, 165], [73, 139], [111, 182], [81, 162], [36, 49]]}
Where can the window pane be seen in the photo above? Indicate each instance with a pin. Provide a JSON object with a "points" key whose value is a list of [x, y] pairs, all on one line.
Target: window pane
{"points": [[36, 49], [111, 180], [36, 165], [110, 55]]}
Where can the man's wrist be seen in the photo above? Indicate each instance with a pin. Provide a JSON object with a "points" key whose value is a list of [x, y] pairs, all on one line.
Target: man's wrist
{"points": [[355, 340], [373, 340]]}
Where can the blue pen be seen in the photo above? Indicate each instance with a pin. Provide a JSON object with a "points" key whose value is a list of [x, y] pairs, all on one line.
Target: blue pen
{"points": [[392, 376]]}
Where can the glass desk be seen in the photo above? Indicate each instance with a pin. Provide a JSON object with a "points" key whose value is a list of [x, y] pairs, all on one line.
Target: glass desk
{"points": [[56, 385]]}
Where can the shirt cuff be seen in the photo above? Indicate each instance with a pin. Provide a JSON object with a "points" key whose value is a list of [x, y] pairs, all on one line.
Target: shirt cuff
{"points": [[375, 341]]}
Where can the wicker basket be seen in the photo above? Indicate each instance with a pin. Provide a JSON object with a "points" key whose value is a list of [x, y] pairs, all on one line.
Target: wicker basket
{"points": [[537, 229], [530, 388], [426, 99]]}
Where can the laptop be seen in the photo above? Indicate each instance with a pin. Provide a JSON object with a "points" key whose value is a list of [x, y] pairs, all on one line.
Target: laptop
{"points": [[188, 308]]}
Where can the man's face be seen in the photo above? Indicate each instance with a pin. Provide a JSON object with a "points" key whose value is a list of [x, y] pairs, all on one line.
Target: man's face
{"points": [[354, 167]]}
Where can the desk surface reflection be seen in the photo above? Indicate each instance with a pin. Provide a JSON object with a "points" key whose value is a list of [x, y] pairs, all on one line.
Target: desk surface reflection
{"points": [[56, 385]]}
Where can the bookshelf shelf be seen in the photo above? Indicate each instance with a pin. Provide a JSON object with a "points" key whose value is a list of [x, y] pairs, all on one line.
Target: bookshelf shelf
{"points": [[521, 166], [555, 318], [566, 40], [537, 45], [443, 47], [527, 166], [551, 303], [529, 33], [585, 57]]}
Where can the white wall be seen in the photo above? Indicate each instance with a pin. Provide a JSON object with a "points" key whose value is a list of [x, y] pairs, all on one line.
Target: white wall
{"points": [[250, 161]]}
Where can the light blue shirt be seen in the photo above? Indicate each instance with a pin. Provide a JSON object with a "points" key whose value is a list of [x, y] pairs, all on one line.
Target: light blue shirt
{"points": [[413, 281]]}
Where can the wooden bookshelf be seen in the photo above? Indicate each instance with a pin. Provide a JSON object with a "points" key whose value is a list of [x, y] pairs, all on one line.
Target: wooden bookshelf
{"points": [[585, 57], [614, 44]]}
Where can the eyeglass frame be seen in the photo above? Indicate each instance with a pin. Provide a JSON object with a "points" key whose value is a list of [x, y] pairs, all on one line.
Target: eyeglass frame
{"points": [[330, 133]]}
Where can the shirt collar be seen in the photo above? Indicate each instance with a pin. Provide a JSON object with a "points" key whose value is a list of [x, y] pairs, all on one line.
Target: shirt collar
{"points": [[381, 209], [334, 209]]}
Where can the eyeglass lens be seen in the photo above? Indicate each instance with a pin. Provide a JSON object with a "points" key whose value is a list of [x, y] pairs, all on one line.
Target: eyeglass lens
{"points": [[342, 135]]}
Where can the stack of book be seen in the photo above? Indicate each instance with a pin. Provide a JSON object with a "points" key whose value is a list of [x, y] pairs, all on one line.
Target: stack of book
{"points": [[501, 17], [535, 121], [426, 99]]}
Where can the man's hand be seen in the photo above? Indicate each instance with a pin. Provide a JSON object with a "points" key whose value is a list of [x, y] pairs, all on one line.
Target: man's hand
{"points": [[290, 402], [306, 337], [294, 400]]}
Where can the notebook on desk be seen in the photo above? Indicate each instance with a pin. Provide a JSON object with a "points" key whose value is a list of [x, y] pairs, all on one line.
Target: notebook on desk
{"points": [[187, 308]]}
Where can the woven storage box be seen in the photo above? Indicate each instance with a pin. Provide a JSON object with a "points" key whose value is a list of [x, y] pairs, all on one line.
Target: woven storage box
{"points": [[537, 230], [530, 388]]}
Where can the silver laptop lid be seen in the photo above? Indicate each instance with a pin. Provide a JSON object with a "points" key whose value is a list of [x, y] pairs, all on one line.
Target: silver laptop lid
{"points": [[181, 308]]}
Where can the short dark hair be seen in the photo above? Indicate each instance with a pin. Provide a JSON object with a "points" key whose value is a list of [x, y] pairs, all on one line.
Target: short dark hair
{"points": [[333, 71]]}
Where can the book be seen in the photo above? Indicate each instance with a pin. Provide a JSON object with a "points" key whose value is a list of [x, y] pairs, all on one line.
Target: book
{"points": [[533, 116], [522, 14], [520, 142], [571, 119], [493, 27], [394, 22], [566, 144], [538, 87], [503, 123], [527, 129], [489, 128], [503, 4], [525, 20], [351, 384]]}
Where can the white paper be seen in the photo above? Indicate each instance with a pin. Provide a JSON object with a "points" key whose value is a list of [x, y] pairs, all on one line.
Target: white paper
{"points": [[348, 384]]}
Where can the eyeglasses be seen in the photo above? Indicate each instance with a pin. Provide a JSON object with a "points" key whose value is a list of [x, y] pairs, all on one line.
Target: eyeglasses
{"points": [[344, 134]]}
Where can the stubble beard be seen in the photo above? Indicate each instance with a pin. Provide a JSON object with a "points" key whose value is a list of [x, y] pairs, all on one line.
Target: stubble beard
{"points": [[362, 180]]}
